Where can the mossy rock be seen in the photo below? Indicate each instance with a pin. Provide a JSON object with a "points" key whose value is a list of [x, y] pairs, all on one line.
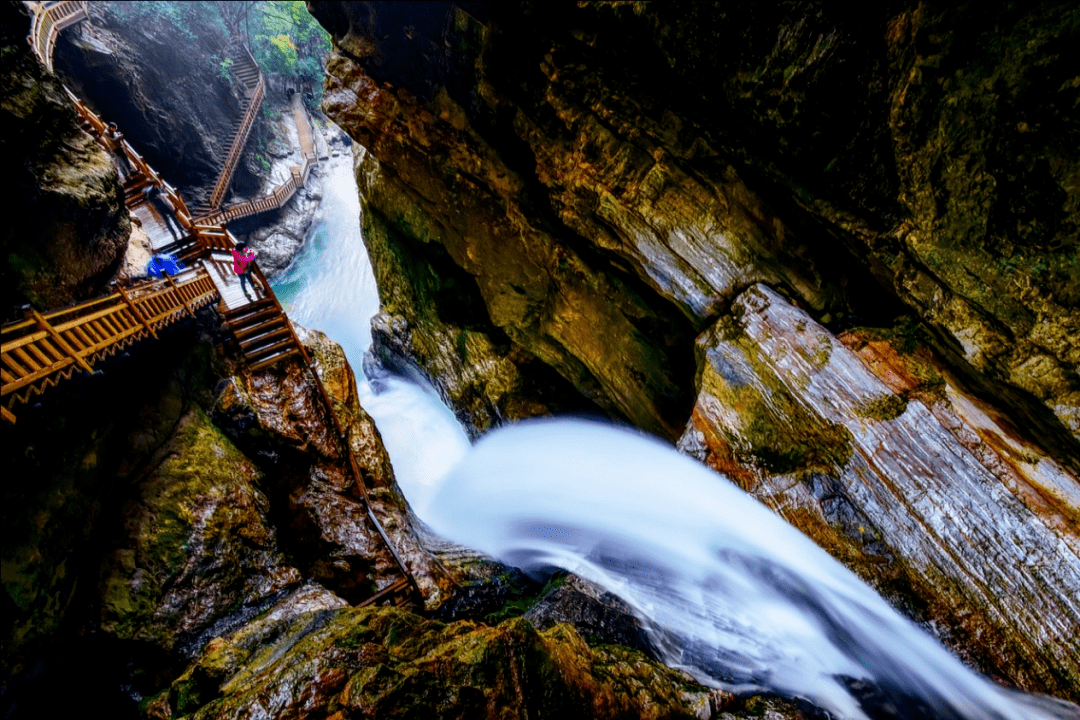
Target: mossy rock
{"points": [[199, 547], [389, 663]]}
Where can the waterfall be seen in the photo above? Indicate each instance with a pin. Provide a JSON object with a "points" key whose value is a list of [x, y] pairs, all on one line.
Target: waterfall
{"points": [[749, 599], [330, 286], [730, 591]]}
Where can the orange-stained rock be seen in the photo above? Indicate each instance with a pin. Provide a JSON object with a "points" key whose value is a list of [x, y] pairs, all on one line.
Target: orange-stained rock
{"points": [[921, 494]]}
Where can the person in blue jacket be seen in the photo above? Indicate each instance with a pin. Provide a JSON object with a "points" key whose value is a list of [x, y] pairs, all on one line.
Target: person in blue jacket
{"points": [[162, 265]]}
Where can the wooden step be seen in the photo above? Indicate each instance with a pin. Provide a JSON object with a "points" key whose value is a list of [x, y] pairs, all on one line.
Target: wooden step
{"points": [[276, 359], [388, 593], [250, 330], [264, 353], [237, 314], [253, 322], [251, 345]]}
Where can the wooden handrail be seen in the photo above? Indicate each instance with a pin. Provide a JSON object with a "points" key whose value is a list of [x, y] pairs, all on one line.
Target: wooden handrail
{"points": [[37, 349], [38, 352], [241, 136], [271, 201], [47, 23]]}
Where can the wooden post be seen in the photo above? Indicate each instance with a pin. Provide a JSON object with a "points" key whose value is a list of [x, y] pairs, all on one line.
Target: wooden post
{"points": [[8, 415], [190, 311], [135, 310], [44, 325]]}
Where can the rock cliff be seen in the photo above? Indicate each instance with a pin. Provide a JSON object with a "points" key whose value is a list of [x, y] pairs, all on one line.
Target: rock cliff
{"points": [[69, 236], [164, 92], [851, 235], [651, 163]]}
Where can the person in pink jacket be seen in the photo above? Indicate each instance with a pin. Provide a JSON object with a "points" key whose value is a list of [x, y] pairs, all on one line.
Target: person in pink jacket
{"points": [[242, 260]]}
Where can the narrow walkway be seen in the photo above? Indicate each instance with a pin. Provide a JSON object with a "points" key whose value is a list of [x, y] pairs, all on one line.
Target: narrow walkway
{"points": [[303, 127], [42, 350], [282, 193], [154, 225]]}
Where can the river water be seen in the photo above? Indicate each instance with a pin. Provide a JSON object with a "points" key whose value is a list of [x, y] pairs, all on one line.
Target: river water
{"points": [[729, 590], [330, 287]]}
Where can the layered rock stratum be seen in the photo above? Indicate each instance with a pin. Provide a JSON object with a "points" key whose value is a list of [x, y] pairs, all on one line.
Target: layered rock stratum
{"points": [[834, 252], [830, 255]]}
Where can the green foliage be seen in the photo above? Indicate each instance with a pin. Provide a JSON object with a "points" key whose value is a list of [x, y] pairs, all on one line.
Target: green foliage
{"points": [[285, 39]]}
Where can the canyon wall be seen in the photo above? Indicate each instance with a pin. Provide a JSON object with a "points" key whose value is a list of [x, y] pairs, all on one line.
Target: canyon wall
{"points": [[69, 235], [166, 92], [814, 244]]}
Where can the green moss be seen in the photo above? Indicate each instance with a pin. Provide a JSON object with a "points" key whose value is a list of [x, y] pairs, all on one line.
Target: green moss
{"points": [[883, 407], [523, 601], [785, 438], [774, 430]]}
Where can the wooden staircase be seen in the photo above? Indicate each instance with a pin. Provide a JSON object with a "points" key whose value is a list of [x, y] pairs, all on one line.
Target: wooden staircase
{"points": [[263, 332], [398, 594], [246, 73], [40, 351]]}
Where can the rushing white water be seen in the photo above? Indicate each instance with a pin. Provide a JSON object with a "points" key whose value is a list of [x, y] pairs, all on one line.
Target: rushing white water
{"points": [[330, 287], [735, 594], [750, 599]]}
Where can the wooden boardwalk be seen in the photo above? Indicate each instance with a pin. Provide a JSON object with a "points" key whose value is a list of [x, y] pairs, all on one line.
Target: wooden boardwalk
{"points": [[46, 348], [282, 193]]}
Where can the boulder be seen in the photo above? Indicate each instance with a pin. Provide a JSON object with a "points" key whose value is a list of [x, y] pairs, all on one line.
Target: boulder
{"points": [[198, 554], [914, 489]]}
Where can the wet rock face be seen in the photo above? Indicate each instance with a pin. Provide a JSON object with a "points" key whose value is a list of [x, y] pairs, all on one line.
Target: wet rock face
{"points": [[901, 477], [82, 455], [593, 318], [433, 319], [180, 571], [381, 492], [277, 417], [595, 171], [161, 88], [386, 663], [70, 233], [597, 615]]}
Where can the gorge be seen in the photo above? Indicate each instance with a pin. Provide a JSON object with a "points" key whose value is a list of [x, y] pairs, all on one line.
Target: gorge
{"points": [[831, 257]]}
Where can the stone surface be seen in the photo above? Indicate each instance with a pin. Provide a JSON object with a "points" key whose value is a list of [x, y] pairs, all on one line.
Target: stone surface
{"points": [[597, 615], [975, 539], [592, 171], [381, 492], [83, 450], [198, 549], [597, 331], [69, 236], [278, 417], [390, 664], [433, 319]]}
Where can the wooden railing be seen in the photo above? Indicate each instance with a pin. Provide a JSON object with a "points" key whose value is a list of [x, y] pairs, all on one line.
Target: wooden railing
{"points": [[276, 199], [240, 137], [38, 352], [45, 348], [144, 174], [47, 22]]}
